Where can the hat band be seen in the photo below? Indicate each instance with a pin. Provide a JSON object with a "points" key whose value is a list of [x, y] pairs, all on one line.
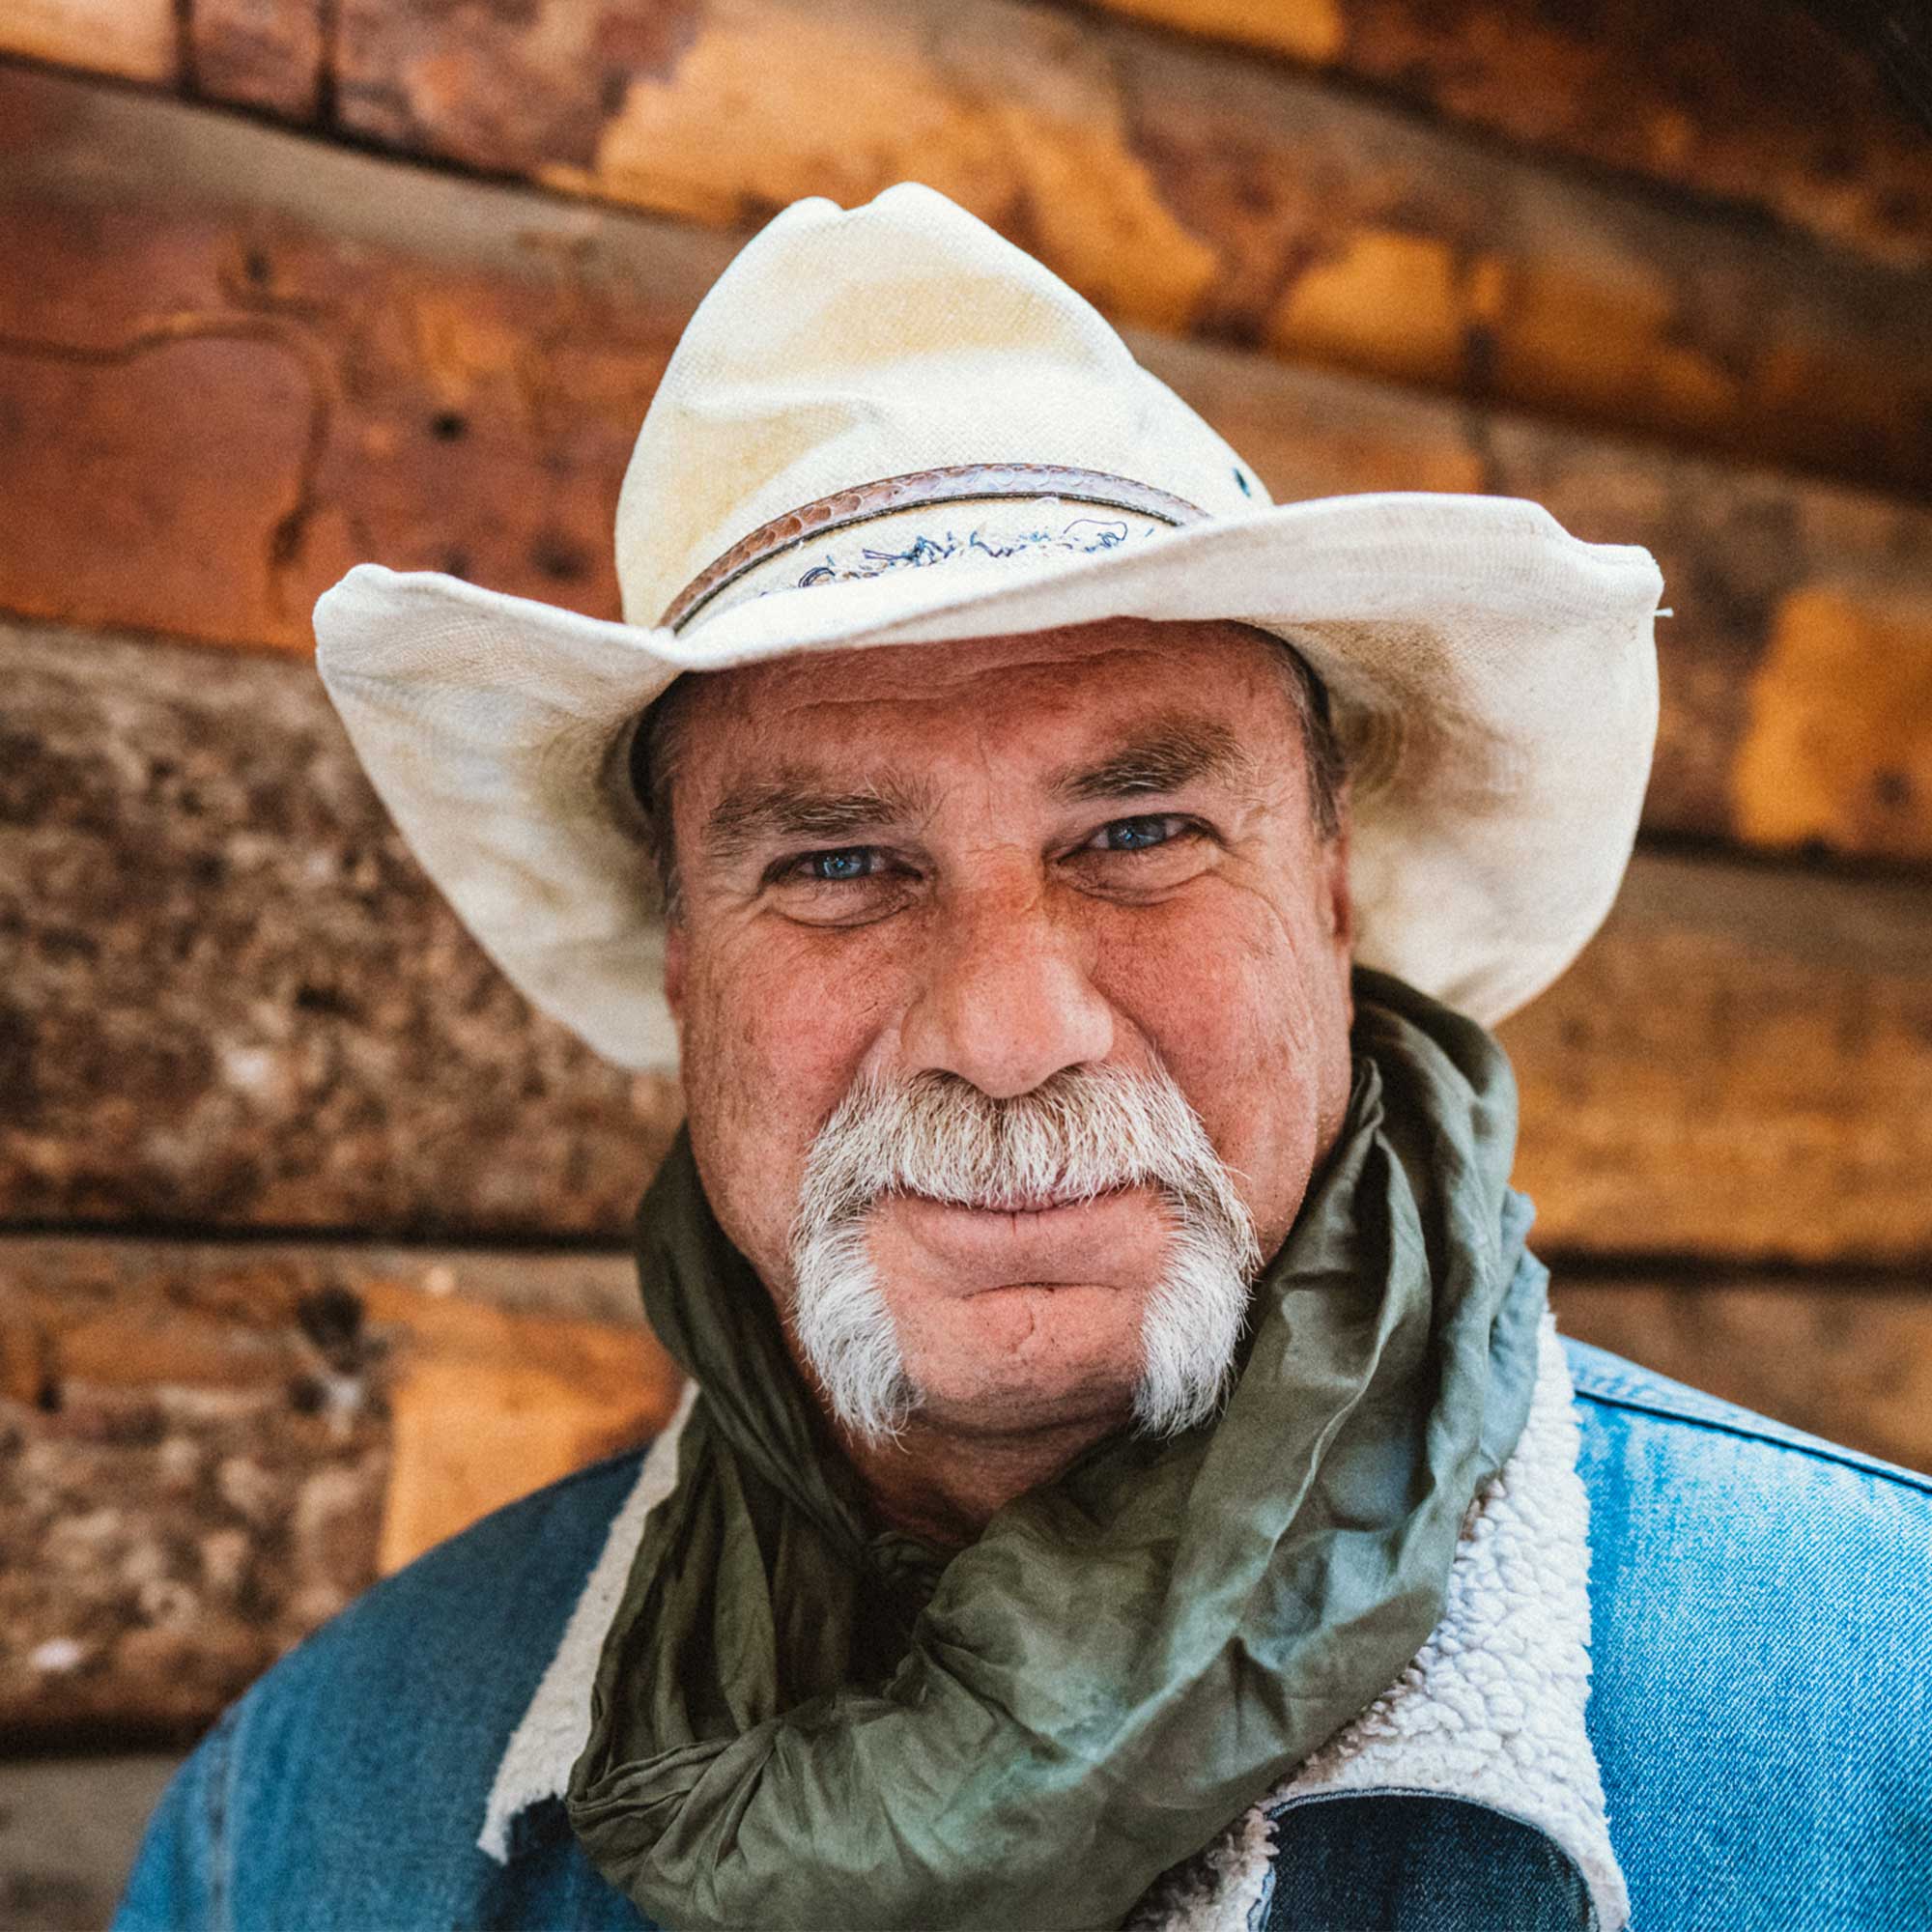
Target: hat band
{"points": [[957, 483]]}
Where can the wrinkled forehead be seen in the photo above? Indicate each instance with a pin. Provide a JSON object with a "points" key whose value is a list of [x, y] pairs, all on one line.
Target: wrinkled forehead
{"points": [[1042, 690]]}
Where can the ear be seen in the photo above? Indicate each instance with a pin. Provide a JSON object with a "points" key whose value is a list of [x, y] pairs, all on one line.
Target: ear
{"points": [[1338, 901], [675, 959]]}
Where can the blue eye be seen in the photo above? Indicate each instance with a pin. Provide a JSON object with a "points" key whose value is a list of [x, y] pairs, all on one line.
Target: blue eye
{"points": [[1137, 835], [853, 861]]}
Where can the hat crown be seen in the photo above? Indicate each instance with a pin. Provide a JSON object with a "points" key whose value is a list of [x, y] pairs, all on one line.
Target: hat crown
{"points": [[842, 347]]}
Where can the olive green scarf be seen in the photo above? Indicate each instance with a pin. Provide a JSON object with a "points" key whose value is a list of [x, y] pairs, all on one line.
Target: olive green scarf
{"points": [[800, 1722]]}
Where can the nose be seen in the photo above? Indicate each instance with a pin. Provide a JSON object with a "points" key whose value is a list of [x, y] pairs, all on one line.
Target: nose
{"points": [[1006, 1000]]}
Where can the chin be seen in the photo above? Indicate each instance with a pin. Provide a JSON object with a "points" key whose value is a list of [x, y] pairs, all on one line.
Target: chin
{"points": [[1041, 1383]]}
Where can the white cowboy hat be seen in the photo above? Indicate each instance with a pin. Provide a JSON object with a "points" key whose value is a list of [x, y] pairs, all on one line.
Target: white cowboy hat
{"points": [[890, 426]]}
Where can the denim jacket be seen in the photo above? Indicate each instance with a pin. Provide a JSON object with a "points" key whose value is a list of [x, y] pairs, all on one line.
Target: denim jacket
{"points": [[1760, 1610]]}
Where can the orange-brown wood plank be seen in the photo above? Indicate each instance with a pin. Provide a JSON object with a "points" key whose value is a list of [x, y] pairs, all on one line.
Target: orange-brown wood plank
{"points": [[229, 997], [1740, 1064], [1763, 106], [209, 1451], [232, 362], [1850, 1360], [1184, 187], [1188, 190], [1760, 102], [131, 39]]}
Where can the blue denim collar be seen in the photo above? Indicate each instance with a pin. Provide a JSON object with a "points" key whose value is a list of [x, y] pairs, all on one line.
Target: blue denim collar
{"points": [[1489, 1716]]}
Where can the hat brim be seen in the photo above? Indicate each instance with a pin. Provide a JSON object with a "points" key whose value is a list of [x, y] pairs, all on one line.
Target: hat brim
{"points": [[1494, 680]]}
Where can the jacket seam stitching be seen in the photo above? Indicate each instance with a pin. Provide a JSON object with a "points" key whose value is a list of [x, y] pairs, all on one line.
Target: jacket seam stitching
{"points": [[221, 1858], [1904, 1479]]}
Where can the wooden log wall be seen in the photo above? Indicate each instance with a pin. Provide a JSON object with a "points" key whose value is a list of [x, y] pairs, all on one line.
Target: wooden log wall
{"points": [[310, 1231]]}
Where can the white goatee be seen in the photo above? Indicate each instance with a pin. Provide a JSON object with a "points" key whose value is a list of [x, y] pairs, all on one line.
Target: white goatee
{"points": [[1086, 1132]]}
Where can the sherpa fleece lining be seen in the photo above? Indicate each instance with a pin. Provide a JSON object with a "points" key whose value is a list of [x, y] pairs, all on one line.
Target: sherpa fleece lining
{"points": [[1491, 1710]]}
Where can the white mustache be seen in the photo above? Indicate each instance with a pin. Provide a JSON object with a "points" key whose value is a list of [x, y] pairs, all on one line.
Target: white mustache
{"points": [[1086, 1132]]}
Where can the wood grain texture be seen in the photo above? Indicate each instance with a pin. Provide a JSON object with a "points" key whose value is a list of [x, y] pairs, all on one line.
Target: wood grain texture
{"points": [[268, 54], [217, 1435], [205, 1452], [1758, 103], [233, 364], [1180, 186], [1186, 190], [1741, 1063], [1848, 1360], [229, 997], [131, 39]]}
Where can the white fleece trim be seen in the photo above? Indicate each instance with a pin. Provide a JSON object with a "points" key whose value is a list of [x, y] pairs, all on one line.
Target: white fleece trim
{"points": [[1492, 1709], [556, 1726]]}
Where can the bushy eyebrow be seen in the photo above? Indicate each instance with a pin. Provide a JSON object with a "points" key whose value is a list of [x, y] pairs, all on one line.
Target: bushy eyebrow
{"points": [[1165, 756], [799, 804]]}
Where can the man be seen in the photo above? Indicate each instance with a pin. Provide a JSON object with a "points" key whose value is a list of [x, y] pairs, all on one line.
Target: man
{"points": [[1128, 1475]]}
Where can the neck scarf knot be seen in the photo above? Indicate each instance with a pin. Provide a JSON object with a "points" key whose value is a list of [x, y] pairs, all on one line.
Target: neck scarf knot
{"points": [[798, 1722]]}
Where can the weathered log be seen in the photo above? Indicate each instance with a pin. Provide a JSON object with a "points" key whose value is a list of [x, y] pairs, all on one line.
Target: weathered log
{"points": [[1186, 190], [133, 39], [233, 364], [230, 996], [1740, 1064], [1182, 187], [204, 1453], [1847, 1360], [215, 1434], [270, 54], [1760, 105], [233, 999]]}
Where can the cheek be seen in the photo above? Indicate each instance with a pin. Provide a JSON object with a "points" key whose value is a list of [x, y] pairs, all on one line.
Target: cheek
{"points": [[773, 1038], [1242, 1007]]}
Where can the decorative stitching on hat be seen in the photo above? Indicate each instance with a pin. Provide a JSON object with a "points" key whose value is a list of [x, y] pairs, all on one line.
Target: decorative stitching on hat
{"points": [[954, 483], [1082, 534]]}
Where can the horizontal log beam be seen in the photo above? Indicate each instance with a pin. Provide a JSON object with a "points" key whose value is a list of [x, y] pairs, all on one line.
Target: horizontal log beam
{"points": [[232, 998], [1850, 1361], [230, 995], [1181, 188], [233, 364], [1726, 100], [209, 1451], [223, 1444], [1762, 105], [1738, 1065]]}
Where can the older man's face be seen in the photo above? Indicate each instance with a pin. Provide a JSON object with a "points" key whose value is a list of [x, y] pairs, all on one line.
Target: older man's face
{"points": [[986, 864]]}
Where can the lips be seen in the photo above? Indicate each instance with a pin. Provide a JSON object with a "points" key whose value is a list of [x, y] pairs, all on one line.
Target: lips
{"points": [[1115, 1236], [1017, 1205]]}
